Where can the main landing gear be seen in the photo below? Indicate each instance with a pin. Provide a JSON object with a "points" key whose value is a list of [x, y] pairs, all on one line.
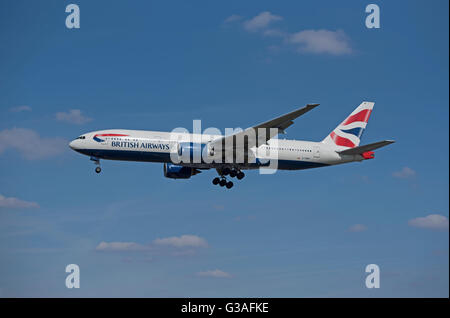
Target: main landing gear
{"points": [[233, 173], [96, 160], [222, 180]]}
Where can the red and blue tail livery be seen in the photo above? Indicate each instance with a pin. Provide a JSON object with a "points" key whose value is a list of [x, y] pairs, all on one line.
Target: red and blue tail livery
{"points": [[349, 132]]}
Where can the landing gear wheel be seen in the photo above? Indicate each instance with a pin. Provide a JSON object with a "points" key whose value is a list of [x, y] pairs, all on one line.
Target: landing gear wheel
{"points": [[216, 181], [98, 169], [229, 185], [226, 171], [223, 182], [240, 175], [233, 173]]}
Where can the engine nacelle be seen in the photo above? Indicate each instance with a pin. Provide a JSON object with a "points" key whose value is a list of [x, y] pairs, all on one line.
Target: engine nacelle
{"points": [[178, 172]]}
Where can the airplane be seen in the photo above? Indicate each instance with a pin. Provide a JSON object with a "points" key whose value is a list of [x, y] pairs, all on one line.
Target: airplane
{"points": [[185, 154]]}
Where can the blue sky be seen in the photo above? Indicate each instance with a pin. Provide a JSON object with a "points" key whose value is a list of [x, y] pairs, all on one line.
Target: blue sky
{"points": [[159, 65]]}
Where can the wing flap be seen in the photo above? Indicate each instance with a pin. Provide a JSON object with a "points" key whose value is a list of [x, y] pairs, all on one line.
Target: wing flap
{"points": [[255, 136]]}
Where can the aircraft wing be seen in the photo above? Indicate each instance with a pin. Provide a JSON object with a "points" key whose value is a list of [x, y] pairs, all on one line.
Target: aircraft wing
{"points": [[362, 149], [256, 136]]}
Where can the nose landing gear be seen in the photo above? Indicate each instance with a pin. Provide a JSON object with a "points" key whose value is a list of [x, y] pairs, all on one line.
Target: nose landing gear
{"points": [[96, 160]]}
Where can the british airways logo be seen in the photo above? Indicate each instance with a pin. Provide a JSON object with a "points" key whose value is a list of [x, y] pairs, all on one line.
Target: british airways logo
{"points": [[143, 145], [131, 144], [106, 135]]}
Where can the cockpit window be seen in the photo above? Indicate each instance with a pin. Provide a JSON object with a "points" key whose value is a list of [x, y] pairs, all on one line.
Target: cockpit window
{"points": [[82, 137]]}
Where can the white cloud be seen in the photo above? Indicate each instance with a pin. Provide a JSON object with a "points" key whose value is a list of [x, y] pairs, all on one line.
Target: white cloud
{"points": [[30, 144], [261, 21], [22, 108], [306, 41], [15, 203], [214, 273], [406, 172], [73, 116], [182, 241], [432, 222], [357, 228], [175, 246], [233, 18], [322, 41], [120, 247]]}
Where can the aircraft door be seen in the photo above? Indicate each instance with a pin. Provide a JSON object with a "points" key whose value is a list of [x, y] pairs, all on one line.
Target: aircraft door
{"points": [[316, 152]]}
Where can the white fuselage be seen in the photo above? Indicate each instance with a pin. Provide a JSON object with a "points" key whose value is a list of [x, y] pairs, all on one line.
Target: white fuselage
{"points": [[157, 146]]}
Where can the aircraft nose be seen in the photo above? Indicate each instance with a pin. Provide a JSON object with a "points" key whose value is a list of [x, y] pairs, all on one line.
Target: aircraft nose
{"points": [[73, 144]]}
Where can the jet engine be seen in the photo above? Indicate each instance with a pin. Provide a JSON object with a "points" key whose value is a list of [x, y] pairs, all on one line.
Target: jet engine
{"points": [[179, 172]]}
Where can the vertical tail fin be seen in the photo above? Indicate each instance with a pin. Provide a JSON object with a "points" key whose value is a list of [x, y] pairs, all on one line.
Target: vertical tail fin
{"points": [[349, 132]]}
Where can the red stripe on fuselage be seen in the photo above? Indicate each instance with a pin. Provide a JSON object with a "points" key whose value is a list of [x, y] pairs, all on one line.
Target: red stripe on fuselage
{"points": [[361, 116], [111, 135], [341, 141]]}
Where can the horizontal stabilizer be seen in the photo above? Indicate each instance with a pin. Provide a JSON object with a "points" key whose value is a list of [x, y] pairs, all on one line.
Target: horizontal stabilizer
{"points": [[362, 149]]}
